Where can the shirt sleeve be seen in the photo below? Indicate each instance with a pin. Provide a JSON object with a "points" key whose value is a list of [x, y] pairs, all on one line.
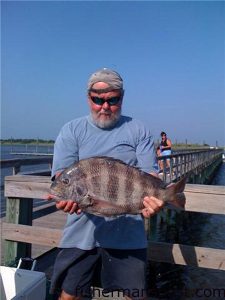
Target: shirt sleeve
{"points": [[65, 150], [145, 152]]}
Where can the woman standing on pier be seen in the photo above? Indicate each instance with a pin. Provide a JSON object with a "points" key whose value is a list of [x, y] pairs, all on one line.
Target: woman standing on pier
{"points": [[165, 147]]}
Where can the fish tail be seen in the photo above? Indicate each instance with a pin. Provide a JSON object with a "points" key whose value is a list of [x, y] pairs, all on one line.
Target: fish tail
{"points": [[175, 193]]}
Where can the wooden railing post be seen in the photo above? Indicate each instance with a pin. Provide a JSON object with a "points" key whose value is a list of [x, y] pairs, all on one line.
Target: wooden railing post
{"points": [[16, 169], [18, 211], [164, 169]]}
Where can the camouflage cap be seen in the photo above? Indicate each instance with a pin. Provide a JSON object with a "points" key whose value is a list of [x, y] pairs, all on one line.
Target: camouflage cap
{"points": [[111, 77]]}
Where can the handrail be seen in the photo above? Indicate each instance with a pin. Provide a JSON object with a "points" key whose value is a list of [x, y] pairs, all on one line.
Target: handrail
{"points": [[188, 163], [196, 158], [17, 163], [21, 189]]}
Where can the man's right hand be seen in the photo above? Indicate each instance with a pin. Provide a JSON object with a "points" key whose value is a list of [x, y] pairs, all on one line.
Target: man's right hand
{"points": [[68, 206]]}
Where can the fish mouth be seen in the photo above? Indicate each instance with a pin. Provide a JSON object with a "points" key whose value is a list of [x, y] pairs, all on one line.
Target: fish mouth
{"points": [[56, 196]]}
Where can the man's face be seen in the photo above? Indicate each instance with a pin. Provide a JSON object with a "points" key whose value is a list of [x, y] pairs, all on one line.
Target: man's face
{"points": [[105, 114]]}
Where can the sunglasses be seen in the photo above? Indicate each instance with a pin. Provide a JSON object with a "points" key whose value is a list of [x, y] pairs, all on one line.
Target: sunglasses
{"points": [[110, 101]]}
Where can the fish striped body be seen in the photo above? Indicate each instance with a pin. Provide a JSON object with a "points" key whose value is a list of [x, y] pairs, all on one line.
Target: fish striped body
{"points": [[106, 186]]}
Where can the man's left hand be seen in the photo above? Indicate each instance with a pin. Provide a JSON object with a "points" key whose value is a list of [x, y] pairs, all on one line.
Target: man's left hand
{"points": [[152, 206]]}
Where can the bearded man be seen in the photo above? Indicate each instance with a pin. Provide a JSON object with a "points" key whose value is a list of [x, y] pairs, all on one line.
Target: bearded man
{"points": [[116, 244]]}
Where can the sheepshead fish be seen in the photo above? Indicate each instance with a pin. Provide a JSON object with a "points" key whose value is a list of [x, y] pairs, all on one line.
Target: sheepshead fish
{"points": [[105, 186]]}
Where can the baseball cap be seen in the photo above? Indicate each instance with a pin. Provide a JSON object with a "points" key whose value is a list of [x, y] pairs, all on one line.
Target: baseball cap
{"points": [[111, 77]]}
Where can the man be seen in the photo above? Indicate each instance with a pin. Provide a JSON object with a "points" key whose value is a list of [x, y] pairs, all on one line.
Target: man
{"points": [[118, 243]]}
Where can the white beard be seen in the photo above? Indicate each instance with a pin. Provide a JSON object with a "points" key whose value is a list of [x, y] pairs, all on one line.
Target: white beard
{"points": [[108, 123]]}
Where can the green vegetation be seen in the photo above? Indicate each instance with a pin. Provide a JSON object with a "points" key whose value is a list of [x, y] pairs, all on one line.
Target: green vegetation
{"points": [[184, 146], [175, 146], [26, 142], [189, 146]]}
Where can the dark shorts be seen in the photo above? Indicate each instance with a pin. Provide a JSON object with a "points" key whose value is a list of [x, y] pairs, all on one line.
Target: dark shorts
{"points": [[76, 271]]}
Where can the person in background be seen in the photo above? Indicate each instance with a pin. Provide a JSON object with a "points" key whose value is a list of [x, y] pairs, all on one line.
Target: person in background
{"points": [[165, 147], [117, 244]]}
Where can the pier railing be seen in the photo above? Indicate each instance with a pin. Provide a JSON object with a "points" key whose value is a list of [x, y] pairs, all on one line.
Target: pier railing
{"points": [[182, 162], [17, 163], [20, 190], [191, 163], [19, 234]]}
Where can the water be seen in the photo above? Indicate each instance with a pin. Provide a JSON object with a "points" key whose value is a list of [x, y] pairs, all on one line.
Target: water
{"points": [[6, 154], [219, 178], [181, 282]]}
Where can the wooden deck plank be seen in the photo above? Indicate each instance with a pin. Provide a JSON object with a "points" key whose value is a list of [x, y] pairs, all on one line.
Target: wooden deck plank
{"points": [[54, 220], [199, 198], [205, 189], [30, 181], [205, 203], [187, 255], [31, 234], [158, 251]]}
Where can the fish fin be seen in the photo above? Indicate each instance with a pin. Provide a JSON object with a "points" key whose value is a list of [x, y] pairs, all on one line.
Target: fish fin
{"points": [[175, 195], [179, 202]]}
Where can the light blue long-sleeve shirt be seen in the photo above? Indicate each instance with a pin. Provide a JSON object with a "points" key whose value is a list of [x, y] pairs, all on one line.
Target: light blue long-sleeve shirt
{"points": [[129, 141]]}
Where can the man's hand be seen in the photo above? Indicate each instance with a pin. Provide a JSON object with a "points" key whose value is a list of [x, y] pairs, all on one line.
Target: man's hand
{"points": [[152, 206], [68, 206]]}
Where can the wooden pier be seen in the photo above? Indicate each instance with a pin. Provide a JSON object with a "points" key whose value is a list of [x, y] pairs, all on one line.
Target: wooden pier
{"points": [[29, 231], [198, 165], [21, 189], [17, 163]]}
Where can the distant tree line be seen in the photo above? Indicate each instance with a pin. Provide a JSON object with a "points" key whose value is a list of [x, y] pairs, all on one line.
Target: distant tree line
{"points": [[26, 141], [184, 145]]}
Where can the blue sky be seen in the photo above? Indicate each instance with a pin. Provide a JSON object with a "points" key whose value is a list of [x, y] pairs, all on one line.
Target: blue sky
{"points": [[170, 54]]}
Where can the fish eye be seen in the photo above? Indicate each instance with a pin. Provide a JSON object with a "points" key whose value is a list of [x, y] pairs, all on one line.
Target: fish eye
{"points": [[65, 181]]}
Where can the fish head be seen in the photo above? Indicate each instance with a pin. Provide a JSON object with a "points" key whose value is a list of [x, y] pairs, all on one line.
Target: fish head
{"points": [[69, 185]]}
